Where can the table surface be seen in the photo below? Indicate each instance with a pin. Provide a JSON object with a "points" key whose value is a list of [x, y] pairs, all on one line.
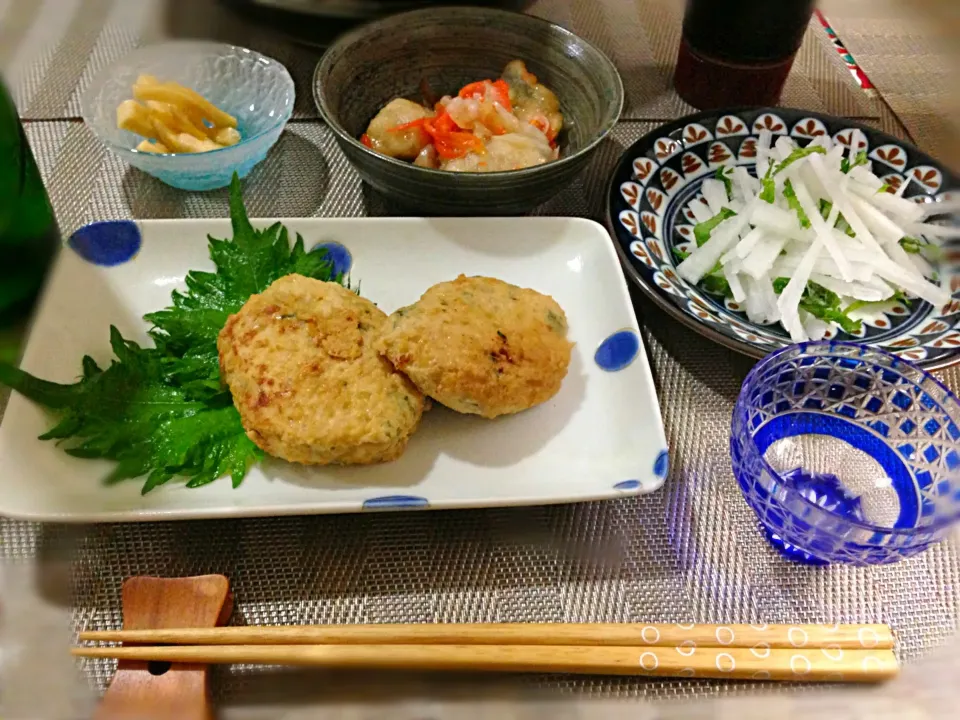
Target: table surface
{"points": [[690, 552]]}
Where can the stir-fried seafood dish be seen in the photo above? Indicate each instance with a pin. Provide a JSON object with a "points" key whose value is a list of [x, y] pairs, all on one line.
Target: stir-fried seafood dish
{"points": [[490, 126]]}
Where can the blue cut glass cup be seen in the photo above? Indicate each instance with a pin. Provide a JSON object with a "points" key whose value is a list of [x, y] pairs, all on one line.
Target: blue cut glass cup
{"points": [[847, 454]]}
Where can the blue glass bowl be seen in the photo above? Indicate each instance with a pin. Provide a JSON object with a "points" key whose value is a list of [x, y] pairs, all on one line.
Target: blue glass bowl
{"points": [[847, 454], [257, 90]]}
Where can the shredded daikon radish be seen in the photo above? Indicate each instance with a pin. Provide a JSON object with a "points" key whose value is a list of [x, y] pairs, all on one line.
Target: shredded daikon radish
{"points": [[823, 141], [701, 211], [761, 259], [813, 326], [749, 186], [784, 146], [911, 281], [841, 200], [905, 209], [855, 290], [789, 301], [702, 260], [921, 264], [732, 276], [903, 186], [715, 194], [941, 207], [864, 176], [932, 230], [814, 227], [824, 233], [811, 180], [744, 247], [763, 139], [769, 297], [834, 157], [856, 137], [882, 227]]}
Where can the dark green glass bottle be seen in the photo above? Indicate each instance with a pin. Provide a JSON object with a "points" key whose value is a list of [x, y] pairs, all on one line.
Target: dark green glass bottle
{"points": [[28, 232]]}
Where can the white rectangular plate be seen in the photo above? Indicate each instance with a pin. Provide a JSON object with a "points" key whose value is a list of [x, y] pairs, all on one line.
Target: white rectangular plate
{"points": [[600, 437]]}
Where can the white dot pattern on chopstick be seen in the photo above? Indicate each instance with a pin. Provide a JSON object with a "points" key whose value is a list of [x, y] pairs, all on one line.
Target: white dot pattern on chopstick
{"points": [[797, 637], [726, 663], [761, 650], [687, 648], [763, 662], [833, 652], [776, 636], [864, 633], [725, 635], [800, 664]]}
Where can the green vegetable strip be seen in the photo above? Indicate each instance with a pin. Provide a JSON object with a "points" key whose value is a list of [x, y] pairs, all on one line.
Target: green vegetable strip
{"points": [[794, 203], [825, 207], [821, 303], [725, 179], [797, 155], [701, 231], [769, 187], [859, 159]]}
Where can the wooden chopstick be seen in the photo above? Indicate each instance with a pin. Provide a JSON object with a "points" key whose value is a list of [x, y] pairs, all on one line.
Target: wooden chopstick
{"points": [[795, 665], [843, 637]]}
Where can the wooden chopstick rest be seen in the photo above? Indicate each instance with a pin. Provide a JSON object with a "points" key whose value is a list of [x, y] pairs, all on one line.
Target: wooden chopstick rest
{"points": [[143, 690]]}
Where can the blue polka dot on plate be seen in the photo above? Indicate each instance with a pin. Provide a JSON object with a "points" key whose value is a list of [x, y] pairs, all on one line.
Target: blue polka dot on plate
{"points": [[662, 465], [395, 502], [627, 485], [617, 351], [337, 254], [108, 243]]}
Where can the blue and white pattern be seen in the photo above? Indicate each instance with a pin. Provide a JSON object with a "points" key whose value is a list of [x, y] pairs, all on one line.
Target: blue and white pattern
{"points": [[396, 502], [107, 243], [661, 175], [662, 465], [900, 417], [618, 351], [338, 255]]}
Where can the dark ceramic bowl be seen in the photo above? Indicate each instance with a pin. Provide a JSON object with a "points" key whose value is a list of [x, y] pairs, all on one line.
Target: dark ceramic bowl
{"points": [[443, 49]]}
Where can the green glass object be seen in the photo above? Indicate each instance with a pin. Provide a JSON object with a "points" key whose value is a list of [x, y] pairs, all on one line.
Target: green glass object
{"points": [[28, 231]]}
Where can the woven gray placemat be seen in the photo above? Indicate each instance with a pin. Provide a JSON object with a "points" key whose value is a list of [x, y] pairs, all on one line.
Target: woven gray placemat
{"points": [[52, 49], [691, 551]]}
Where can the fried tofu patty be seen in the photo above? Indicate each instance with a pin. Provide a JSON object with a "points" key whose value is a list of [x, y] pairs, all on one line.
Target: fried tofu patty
{"points": [[311, 388], [481, 346]]}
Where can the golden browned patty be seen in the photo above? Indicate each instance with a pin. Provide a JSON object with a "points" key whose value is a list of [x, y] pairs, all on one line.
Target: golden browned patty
{"points": [[481, 346], [310, 387]]}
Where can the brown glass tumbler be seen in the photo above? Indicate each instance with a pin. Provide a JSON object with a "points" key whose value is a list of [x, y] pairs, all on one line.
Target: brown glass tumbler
{"points": [[738, 52]]}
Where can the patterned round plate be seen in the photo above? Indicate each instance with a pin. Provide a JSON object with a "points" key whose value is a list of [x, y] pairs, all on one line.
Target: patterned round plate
{"points": [[661, 174]]}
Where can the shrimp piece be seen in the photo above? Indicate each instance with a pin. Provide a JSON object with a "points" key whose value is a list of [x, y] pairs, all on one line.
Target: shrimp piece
{"points": [[394, 131], [531, 100]]}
